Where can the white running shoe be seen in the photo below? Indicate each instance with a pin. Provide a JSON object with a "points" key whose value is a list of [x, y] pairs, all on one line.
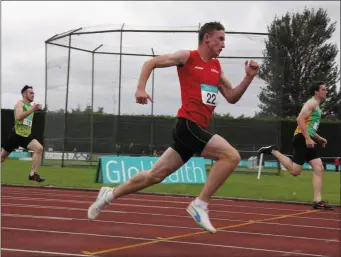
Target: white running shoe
{"points": [[200, 215], [99, 204]]}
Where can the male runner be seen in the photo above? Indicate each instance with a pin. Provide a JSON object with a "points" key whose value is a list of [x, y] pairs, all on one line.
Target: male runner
{"points": [[200, 78], [21, 134], [304, 145]]}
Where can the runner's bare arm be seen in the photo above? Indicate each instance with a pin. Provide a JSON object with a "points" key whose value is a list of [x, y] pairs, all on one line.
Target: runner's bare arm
{"points": [[304, 114], [232, 95], [162, 61], [19, 111], [319, 138]]}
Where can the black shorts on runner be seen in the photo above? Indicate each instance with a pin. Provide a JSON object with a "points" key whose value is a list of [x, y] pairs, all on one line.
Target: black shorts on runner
{"points": [[14, 141], [302, 153], [189, 138]]}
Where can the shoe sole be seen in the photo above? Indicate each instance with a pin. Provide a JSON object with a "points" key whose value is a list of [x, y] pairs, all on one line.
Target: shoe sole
{"points": [[187, 209]]}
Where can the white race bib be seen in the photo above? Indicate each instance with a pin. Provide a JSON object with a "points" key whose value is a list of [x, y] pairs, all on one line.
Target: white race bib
{"points": [[316, 126], [209, 94], [27, 122]]}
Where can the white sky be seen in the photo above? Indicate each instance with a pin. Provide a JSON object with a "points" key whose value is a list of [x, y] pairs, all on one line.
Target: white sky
{"points": [[26, 25]]}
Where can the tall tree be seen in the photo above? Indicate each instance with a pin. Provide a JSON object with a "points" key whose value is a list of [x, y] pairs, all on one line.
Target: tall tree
{"points": [[298, 53]]}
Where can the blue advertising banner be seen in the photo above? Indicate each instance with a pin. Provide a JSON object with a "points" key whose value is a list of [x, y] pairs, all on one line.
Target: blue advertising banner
{"points": [[119, 169]]}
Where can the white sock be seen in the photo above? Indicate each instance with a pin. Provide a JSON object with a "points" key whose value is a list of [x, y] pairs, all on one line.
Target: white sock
{"points": [[109, 197], [31, 173], [200, 203]]}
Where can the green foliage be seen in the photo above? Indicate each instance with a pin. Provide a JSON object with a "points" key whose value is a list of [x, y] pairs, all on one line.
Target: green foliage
{"points": [[299, 54]]}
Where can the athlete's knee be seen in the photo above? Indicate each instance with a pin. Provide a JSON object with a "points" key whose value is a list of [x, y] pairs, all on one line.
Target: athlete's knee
{"points": [[235, 158], [4, 155], [295, 170], [38, 149], [317, 166], [3, 158], [232, 156], [319, 169], [296, 173]]}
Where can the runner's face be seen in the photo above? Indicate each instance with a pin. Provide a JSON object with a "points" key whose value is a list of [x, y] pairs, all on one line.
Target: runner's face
{"points": [[216, 42], [29, 95], [322, 93]]}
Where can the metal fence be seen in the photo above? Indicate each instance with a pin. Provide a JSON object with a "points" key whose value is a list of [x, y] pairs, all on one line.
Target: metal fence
{"points": [[91, 78]]}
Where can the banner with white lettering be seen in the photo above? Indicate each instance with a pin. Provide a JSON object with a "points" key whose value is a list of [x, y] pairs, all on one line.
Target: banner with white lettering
{"points": [[119, 169]]}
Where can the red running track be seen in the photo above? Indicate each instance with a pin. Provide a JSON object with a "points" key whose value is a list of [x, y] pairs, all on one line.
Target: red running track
{"points": [[52, 222]]}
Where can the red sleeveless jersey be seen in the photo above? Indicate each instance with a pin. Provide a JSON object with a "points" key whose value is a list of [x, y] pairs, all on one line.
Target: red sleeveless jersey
{"points": [[199, 83]]}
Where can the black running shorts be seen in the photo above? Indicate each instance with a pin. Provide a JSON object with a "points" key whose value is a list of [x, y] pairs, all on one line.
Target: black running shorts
{"points": [[302, 153], [14, 141], [189, 138]]}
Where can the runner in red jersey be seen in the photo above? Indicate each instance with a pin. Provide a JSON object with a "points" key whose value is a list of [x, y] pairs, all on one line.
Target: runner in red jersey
{"points": [[201, 78], [195, 77]]}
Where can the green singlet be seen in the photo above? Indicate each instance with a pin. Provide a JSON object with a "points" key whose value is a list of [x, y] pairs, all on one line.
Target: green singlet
{"points": [[312, 123], [24, 127]]}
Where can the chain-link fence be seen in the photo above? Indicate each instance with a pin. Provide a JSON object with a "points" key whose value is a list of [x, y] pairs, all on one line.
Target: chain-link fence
{"points": [[91, 78]]}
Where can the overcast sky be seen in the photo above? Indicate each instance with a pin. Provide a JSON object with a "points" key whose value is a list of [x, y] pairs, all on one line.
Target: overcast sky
{"points": [[26, 25]]}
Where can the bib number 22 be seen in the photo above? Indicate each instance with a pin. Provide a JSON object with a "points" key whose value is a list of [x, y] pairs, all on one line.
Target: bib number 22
{"points": [[211, 98], [209, 94]]}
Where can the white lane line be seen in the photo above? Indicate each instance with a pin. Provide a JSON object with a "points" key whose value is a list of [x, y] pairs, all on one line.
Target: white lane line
{"points": [[139, 238], [153, 206], [167, 241], [85, 194], [149, 214], [43, 252]]}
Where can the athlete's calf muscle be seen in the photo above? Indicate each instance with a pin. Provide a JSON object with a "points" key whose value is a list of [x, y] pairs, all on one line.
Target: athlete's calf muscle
{"points": [[168, 163]]}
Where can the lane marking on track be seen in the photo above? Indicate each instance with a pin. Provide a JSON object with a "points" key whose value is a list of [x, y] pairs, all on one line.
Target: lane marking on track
{"points": [[42, 252], [157, 207], [193, 234], [162, 198], [163, 215], [164, 226]]}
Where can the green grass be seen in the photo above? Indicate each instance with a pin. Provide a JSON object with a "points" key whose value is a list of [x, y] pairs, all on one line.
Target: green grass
{"points": [[284, 187]]}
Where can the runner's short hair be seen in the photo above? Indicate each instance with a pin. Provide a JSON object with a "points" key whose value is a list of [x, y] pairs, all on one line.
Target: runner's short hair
{"points": [[25, 88], [315, 87], [209, 28]]}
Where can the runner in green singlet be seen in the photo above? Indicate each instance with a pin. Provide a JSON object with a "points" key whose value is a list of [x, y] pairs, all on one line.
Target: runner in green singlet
{"points": [[21, 134], [304, 144], [312, 122]]}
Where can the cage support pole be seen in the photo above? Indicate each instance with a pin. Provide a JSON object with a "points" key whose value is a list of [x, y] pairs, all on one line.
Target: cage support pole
{"points": [[66, 98], [92, 104]]}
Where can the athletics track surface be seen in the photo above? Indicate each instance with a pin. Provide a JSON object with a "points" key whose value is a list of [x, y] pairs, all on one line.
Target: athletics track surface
{"points": [[53, 222]]}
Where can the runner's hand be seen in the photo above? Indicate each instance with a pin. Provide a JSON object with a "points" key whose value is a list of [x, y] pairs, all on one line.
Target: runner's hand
{"points": [[36, 107], [310, 143], [323, 141], [142, 96], [251, 68]]}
